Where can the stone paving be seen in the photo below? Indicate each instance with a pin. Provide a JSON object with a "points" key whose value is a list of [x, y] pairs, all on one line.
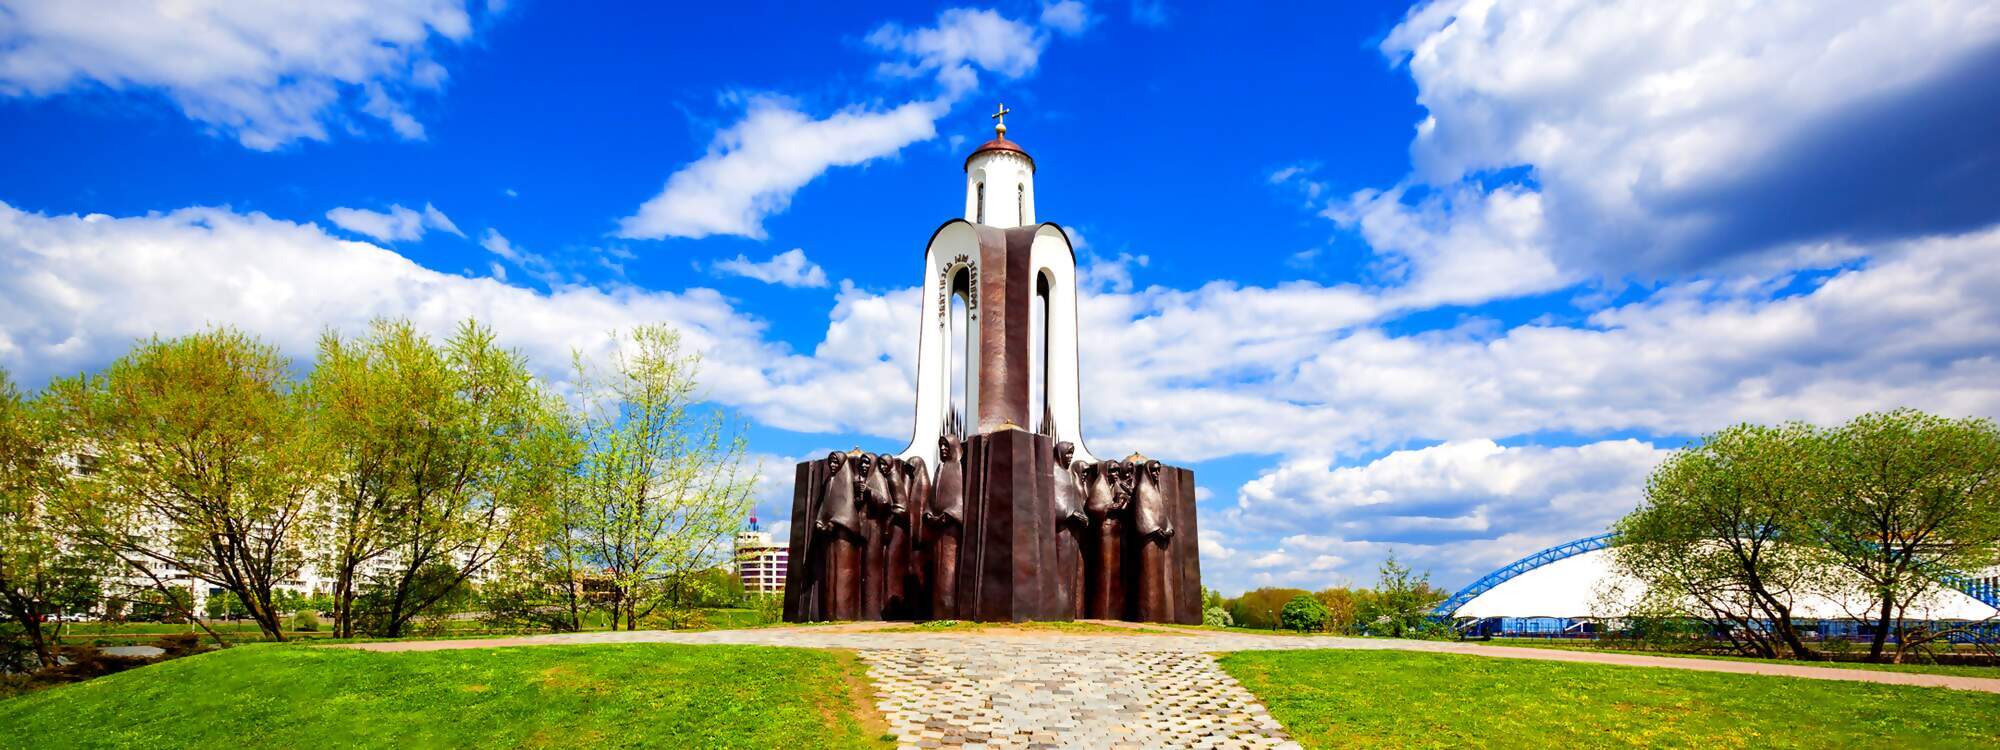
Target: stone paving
{"points": [[1158, 688], [1028, 695]]}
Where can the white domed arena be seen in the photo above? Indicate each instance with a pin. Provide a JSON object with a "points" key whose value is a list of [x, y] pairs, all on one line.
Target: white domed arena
{"points": [[1573, 590]]}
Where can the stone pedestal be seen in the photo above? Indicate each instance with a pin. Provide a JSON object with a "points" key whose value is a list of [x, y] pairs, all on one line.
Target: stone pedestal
{"points": [[1010, 563]]}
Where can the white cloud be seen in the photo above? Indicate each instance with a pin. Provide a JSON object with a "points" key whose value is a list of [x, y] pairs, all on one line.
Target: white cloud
{"points": [[789, 268], [76, 291], [1457, 489], [267, 74], [1467, 248], [753, 168], [1661, 138], [397, 224], [964, 41], [1068, 17]]}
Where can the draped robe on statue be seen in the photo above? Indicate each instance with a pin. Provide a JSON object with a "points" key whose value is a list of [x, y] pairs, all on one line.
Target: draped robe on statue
{"points": [[839, 525], [917, 499], [896, 526], [1153, 525], [943, 522], [1070, 523], [873, 495], [1105, 590]]}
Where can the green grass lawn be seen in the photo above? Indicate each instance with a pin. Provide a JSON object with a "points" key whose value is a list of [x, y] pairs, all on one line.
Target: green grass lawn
{"points": [[1960, 670], [1341, 699], [636, 695]]}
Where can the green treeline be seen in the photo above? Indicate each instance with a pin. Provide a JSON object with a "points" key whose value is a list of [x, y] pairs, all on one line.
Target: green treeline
{"points": [[406, 471]]}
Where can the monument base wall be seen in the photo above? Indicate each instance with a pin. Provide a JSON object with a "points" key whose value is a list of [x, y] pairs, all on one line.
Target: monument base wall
{"points": [[1015, 560]]}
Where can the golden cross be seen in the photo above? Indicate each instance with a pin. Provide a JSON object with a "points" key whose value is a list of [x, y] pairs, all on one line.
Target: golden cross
{"points": [[1000, 128]]}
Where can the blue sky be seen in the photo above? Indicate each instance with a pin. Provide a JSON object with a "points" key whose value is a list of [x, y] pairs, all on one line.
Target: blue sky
{"points": [[1444, 279]]}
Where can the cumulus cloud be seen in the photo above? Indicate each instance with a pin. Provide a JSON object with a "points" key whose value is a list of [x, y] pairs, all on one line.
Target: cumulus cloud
{"points": [[753, 168], [1068, 17], [967, 40], [76, 291], [1662, 139], [789, 268], [1452, 490], [268, 74], [398, 224]]}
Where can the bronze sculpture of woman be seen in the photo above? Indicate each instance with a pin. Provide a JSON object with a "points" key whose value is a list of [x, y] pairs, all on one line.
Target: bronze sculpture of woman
{"points": [[872, 493], [896, 529], [943, 522], [916, 499], [1105, 504], [1155, 529], [838, 526], [1071, 524]]}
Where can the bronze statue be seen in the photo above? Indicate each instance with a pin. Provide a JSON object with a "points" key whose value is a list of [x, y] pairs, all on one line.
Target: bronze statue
{"points": [[896, 526], [1071, 524], [1105, 504], [872, 494], [943, 522], [839, 528], [917, 499], [1155, 529]]}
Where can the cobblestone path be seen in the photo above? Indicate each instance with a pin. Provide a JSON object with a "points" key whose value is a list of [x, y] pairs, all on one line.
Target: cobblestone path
{"points": [[1028, 695]]}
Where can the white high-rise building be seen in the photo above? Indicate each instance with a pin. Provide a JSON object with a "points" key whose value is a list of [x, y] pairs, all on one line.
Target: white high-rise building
{"points": [[760, 562]]}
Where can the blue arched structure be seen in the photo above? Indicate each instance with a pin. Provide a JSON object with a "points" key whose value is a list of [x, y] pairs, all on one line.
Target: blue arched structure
{"points": [[1508, 572], [1985, 591]]}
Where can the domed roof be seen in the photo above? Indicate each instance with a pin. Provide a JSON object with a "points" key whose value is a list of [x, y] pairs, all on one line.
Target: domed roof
{"points": [[1000, 143]]}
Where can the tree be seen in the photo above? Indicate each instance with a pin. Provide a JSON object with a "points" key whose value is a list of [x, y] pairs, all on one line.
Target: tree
{"points": [[440, 456], [225, 606], [1400, 606], [203, 464], [1713, 536], [1903, 498], [1304, 614], [39, 576], [1261, 608], [1342, 609], [661, 485]]}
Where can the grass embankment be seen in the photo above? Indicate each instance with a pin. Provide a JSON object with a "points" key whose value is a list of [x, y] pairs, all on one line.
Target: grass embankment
{"points": [[636, 695], [1339, 699], [1960, 670]]}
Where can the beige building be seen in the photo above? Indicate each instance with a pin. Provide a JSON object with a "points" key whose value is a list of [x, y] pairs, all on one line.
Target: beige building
{"points": [[760, 562]]}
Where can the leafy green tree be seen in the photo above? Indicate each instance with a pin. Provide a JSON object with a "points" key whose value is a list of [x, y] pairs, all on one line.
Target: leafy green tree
{"points": [[1342, 609], [1261, 608], [440, 458], [225, 606], [38, 577], [204, 464], [1400, 606], [1215, 609], [170, 604], [1304, 614], [1714, 535], [1903, 498], [662, 484]]}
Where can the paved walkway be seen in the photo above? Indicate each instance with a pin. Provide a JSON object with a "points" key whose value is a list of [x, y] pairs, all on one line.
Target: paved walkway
{"points": [[1152, 688]]}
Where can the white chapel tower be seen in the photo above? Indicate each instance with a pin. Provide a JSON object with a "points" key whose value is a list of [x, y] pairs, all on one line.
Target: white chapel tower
{"points": [[1012, 282]]}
